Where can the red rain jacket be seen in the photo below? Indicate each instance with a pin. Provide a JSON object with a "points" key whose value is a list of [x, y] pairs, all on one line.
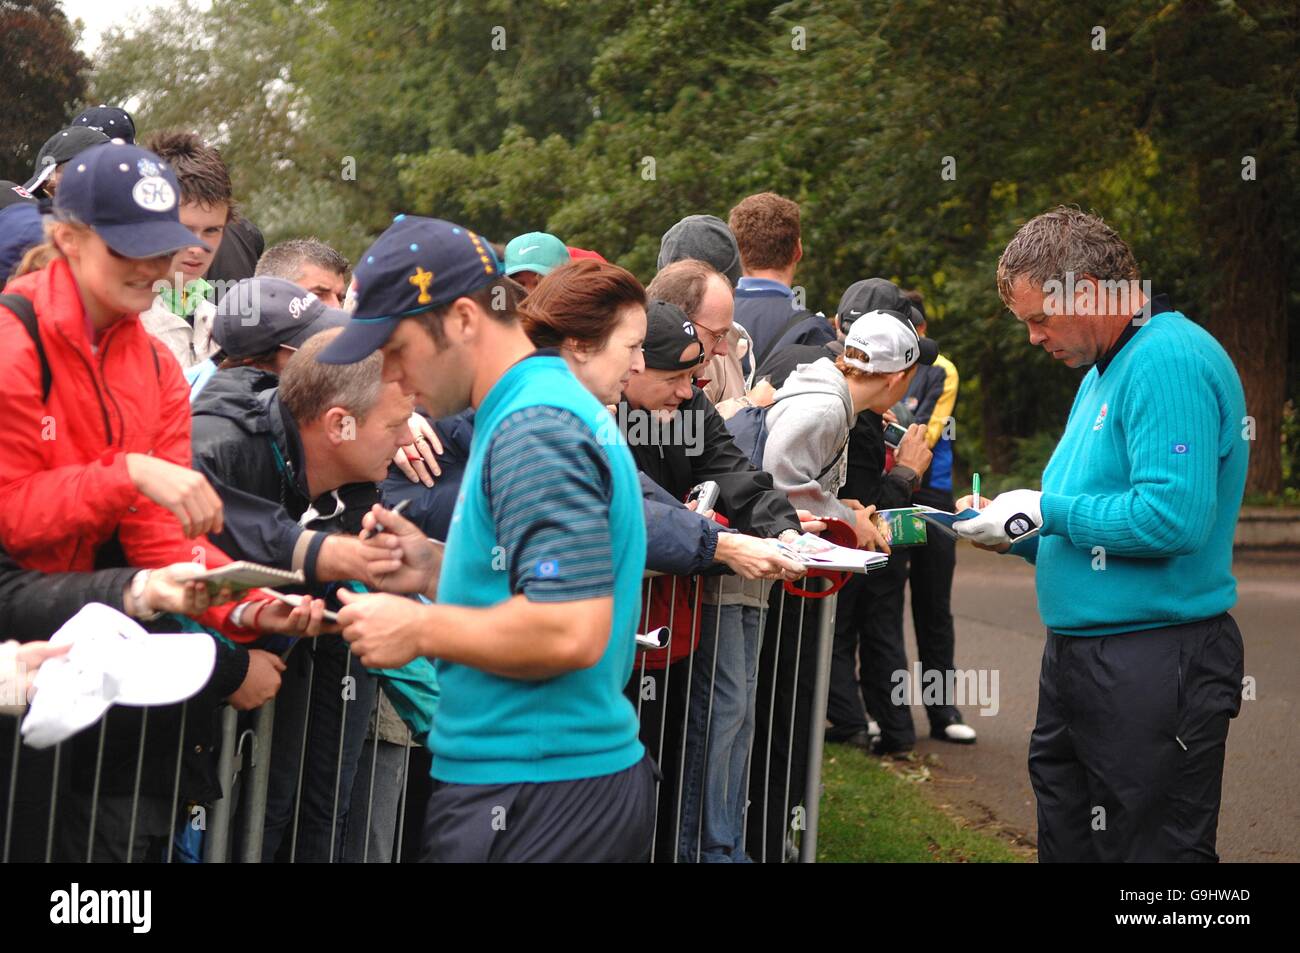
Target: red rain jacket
{"points": [[64, 487]]}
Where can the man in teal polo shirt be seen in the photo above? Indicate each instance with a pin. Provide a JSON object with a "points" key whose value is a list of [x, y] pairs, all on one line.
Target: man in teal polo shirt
{"points": [[1132, 539], [535, 748]]}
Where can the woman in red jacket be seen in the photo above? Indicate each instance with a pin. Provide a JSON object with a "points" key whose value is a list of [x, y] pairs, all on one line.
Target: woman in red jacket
{"points": [[94, 413]]}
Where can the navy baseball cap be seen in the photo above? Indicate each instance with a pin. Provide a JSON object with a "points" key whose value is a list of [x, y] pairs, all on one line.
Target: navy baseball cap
{"points": [[114, 122], [416, 265], [260, 314], [129, 197]]}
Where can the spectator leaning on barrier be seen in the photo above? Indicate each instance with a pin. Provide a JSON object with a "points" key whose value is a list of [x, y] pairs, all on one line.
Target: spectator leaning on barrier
{"points": [[272, 460], [95, 423], [1142, 667], [298, 465], [181, 315], [766, 227], [106, 398], [808, 432], [720, 706], [679, 440], [535, 750], [869, 640]]}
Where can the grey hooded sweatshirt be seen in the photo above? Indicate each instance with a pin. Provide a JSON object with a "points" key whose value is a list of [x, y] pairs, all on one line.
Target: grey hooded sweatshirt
{"points": [[808, 433]]}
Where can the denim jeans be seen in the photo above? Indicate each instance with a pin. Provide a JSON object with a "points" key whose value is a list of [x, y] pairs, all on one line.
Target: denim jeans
{"points": [[720, 730], [372, 842], [329, 767]]}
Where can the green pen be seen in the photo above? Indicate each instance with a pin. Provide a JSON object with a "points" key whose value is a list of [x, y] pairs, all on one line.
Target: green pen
{"points": [[975, 490]]}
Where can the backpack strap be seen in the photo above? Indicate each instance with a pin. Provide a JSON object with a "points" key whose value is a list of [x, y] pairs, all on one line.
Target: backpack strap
{"points": [[834, 460], [22, 309], [798, 318]]}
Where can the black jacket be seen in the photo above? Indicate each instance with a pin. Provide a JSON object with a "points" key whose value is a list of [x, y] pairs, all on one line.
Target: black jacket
{"points": [[34, 605], [747, 497], [241, 246], [248, 446]]}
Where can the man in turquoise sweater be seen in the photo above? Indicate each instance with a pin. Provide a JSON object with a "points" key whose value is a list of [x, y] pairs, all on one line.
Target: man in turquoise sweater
{"points": [[1132, 540], [535, 748]]}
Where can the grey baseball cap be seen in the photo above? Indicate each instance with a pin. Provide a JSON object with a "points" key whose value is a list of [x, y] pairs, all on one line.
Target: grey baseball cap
{"points": [[705, 238]]}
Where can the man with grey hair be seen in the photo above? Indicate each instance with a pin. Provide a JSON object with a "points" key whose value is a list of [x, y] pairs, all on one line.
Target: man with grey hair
{"points": [[309, 263], [1131, 537], [297, 467]]}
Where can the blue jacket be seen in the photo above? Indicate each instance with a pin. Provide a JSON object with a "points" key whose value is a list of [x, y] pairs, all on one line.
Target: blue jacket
{"points": [[20, 229]]}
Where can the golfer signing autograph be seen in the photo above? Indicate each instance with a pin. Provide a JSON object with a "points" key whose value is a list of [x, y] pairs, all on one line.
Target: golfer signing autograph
{"points": [[1131, 537]]}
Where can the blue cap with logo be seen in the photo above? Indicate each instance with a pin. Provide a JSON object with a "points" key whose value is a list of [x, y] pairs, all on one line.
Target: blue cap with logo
{"points": [[129, 197], [416, 265]]}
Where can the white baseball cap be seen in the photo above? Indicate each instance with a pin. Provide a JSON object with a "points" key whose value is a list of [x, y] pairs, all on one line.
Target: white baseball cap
{"points": [[112, 661], [890, 342]]}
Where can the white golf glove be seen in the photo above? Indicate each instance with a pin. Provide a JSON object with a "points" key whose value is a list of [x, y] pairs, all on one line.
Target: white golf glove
{"points": [[1011, 516]]}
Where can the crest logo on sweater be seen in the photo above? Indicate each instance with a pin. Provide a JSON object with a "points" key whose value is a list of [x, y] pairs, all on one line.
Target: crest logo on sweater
{"points": [[1101, 419]]}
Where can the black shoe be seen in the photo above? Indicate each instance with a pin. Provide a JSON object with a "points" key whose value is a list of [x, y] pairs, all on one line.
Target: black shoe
{"points": [[956, 732], [882, 747], [859, 739]]}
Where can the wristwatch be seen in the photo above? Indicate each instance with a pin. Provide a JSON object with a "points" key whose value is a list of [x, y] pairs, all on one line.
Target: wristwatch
{"points": [[139, 583]]}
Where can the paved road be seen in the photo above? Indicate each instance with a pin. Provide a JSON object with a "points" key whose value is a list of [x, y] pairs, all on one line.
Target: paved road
{"points": [[998, 628]]}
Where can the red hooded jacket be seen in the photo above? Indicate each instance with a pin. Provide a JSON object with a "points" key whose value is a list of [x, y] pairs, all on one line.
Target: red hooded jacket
{"points": [[64, 486]]}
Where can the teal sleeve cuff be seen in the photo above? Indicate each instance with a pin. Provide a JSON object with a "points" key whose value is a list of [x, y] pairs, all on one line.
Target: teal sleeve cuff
{"points": [[1055, 510]]}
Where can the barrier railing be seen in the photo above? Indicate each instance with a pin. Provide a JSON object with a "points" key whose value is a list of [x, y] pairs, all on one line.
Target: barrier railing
{"points": [[735, 724]]}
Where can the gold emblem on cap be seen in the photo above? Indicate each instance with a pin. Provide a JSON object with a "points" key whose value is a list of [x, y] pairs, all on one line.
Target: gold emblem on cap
{"points": [[421, 280]]}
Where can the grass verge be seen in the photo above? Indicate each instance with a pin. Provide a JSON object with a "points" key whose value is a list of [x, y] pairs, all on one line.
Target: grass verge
{"points": [[873, 814]]}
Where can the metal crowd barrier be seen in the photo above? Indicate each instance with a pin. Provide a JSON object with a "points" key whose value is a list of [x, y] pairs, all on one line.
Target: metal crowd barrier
{"points": [[53, 808]]}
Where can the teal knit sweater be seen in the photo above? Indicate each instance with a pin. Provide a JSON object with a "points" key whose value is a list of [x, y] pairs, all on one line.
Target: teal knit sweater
{"points": [[1140, 497]]}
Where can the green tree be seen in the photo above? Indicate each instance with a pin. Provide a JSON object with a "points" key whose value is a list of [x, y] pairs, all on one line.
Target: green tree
{"points": [[44, 77]]}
